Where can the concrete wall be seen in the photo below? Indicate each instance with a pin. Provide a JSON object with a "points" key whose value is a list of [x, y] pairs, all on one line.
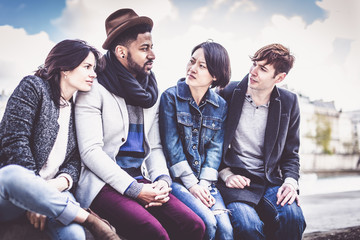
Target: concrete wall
{"points": [[328, 162]]}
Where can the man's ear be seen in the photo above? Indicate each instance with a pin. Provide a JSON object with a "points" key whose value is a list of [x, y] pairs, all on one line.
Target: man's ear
{"points": [[280, 77], [120, 51]]}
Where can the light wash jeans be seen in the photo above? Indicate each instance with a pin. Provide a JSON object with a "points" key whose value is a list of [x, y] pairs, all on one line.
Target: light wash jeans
{"points": [[218, 226], [22, 190], [267, 220]]}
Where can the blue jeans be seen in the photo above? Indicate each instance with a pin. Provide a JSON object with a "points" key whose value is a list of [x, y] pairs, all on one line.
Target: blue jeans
{"points": [[21, 190], [267, 220], [218, 226]]}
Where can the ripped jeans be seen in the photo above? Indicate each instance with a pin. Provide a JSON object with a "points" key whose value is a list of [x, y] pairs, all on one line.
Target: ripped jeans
{"points": [[216, 219], [22, 190]]}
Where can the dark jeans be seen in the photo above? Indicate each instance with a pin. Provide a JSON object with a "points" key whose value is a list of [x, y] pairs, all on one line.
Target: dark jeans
{"points": [[172, 220], [267, 220]]}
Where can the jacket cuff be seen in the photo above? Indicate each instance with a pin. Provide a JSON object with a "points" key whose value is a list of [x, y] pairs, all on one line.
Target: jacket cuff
{"points": [[209, 174], [205, 183], [180, 169], [165, 178], [189, 180], [68, 178], [225, 173], [134, 189], [292, 182]]}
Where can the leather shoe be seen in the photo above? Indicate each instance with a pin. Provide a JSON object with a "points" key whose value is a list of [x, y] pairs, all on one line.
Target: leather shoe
{"points": [[100, 228]]}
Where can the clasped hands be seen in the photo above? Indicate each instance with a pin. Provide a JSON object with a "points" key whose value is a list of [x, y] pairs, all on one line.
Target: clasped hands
{"points": [[154, 194], [285, 195]]}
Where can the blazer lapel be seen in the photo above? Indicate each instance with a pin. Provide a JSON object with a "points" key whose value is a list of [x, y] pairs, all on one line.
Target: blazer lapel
{"points": [[123, 111], [272, 127], [234, 113]]}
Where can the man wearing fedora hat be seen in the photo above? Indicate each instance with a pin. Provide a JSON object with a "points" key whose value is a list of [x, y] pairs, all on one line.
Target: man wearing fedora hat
{"points": [[124, 177]]}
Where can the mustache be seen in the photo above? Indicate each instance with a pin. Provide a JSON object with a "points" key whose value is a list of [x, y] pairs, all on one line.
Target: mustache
{"points": [[149, 62]]}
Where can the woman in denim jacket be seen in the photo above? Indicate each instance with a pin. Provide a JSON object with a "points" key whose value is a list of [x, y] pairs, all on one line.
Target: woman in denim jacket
{"points": [[192, 132]]}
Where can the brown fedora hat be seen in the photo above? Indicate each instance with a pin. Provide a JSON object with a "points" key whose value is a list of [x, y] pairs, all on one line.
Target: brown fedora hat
{"points": [[121, 20]]}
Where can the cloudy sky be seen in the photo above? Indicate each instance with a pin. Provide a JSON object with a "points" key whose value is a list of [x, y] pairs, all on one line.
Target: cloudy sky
{"points": [[324, 36]]}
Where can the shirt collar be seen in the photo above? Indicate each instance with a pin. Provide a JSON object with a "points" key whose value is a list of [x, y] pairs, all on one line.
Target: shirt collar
{"points": [[251, 101], [183, 92]]}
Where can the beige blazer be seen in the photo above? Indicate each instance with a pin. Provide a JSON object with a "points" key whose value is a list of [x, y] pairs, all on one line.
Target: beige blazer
{"points": [[102, 125]]}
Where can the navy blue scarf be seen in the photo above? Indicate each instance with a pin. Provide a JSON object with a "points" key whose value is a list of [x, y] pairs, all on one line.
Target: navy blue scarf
{"points": [[119, 81]]}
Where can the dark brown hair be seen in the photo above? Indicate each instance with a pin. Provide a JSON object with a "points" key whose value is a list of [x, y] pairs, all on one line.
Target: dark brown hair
{"points": [[217, 62], [277, 55], [65, 56]]}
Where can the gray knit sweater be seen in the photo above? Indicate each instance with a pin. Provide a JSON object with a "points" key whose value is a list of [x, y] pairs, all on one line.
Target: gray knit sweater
{"points": [[29, 128]]}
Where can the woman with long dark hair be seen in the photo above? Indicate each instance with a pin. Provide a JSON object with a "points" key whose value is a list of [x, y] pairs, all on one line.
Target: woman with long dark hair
{"points": [[39, 157]]}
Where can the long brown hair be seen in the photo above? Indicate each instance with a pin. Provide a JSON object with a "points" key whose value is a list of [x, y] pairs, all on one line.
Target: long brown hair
{"points": [[65, 56]]}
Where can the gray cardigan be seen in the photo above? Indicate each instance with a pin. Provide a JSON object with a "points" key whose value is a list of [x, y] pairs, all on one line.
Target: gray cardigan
{"points": [[29, 128], [102, 124]]}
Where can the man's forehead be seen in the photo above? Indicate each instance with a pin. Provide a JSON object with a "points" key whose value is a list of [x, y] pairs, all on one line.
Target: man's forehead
{"points": [[264, 63], [143, 39]]}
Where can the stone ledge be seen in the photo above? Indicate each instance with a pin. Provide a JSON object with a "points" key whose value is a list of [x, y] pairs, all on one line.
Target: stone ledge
{"points": [[21, 229], [350, 233]]}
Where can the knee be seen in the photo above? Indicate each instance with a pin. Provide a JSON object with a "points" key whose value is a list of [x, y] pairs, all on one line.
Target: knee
{"points": [[248, 230], [196, 227], [210, 226], [72, 231], [293, 215], [9, 173], [153, 230], [210, 222]]}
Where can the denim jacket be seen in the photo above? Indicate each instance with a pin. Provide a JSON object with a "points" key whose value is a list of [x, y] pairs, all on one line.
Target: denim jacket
{"points": [[192, 136]]}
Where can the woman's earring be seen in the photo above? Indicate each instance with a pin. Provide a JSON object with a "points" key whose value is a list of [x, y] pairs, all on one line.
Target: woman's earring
{"points": [[123, 56]]}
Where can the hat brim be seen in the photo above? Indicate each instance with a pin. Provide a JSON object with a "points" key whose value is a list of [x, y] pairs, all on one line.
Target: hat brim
{"points": [[117, 31]]}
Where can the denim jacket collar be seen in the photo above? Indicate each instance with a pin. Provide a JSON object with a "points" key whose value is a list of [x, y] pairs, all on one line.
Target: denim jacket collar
{"points": [[183, 92]]}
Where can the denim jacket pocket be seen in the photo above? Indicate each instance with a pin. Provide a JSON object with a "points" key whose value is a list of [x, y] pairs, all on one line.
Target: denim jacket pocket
{"points": [[185, 125], [211, 126]]}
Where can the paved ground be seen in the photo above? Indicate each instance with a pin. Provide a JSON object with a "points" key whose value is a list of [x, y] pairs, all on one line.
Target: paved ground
{"points": [[331, 211], [351, 233], [331, 207]]}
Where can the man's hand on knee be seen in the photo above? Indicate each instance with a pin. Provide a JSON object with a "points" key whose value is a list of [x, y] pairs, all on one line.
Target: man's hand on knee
{"points": [[287, 194]]}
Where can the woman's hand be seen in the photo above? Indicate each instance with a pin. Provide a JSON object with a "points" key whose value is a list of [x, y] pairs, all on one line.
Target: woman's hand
{"points": [[203, 194], [36, 219], [60, 183]]}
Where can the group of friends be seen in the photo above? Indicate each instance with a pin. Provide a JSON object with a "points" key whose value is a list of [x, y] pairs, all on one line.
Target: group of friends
{"points": [[89, 142]]}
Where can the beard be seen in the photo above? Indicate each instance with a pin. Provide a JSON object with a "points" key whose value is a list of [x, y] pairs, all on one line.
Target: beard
{"points": [[137, 69]]}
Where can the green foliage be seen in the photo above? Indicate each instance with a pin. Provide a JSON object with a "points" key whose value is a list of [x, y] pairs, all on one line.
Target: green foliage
{"points": [[323, 133]]}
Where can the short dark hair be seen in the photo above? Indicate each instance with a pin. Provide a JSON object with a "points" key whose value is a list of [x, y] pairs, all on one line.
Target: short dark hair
{"points": [[217, 62], [277, 55], [65, 56], [130, 35]]}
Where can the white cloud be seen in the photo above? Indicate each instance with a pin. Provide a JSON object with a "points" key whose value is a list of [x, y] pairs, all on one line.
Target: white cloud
{"points": [[316, 72], [200, 13], [85, 19], [20, 54], [218, 3], [245, 5]]}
